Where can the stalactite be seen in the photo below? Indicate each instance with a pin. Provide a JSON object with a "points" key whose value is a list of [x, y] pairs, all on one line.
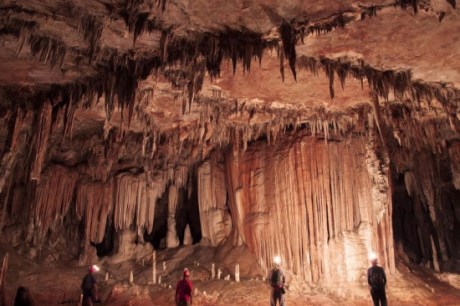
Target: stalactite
{"points": [[324, 27], [370, 11], [48, 50], [53, 197], [289, 40], [134, 201], [171, 237], [453, 3], [212, 196], [405, 3], [41, 140], [94, 205], [271, 185]]}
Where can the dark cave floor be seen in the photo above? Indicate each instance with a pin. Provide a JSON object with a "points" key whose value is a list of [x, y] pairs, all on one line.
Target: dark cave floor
{"points": [[52, 284]]}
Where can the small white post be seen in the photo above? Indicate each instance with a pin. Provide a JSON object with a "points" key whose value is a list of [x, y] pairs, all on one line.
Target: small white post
{"points": [[213, 271], [237, 273]]}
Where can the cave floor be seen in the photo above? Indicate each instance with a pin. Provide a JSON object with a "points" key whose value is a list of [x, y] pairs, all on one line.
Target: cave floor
{"points": [[53, 284]]}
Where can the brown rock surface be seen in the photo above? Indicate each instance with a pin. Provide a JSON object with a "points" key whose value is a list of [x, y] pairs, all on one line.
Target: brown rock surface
{"points": [[315, 130]]}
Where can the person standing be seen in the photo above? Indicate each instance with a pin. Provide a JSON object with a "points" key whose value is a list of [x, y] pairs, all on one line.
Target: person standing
{"points": [[184, 290], [89, 287], [377, 281], [277, 280]]}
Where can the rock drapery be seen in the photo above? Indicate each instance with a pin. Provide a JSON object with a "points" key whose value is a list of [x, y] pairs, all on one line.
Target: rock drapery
{"points": [[309, 202]]}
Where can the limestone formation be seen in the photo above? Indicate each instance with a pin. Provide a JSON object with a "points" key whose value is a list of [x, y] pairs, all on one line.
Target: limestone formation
{"points": [[237, 273], [318, 131], [188, 240]]}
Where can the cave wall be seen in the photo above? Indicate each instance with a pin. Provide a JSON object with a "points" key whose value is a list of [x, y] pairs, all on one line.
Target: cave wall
{"points": [[315, 203], [322, 204], [427, 211]]}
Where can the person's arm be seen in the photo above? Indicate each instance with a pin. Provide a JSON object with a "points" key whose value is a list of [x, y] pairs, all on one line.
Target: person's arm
{"points": [[369, 277], [95, 293]]}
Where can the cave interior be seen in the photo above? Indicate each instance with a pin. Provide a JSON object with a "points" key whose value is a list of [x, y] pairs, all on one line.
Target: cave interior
{"points": [[157, 134]]}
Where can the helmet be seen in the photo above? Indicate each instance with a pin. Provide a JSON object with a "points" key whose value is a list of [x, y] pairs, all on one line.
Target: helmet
{"points": [[93, 268], [186, 272]]}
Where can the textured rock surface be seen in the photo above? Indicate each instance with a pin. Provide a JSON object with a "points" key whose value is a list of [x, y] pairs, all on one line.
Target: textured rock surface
{"points": [[317, 130]]}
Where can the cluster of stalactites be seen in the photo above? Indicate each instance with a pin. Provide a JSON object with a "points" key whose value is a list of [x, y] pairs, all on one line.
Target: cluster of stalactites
{"points": [[126, 200], [323, 192]]}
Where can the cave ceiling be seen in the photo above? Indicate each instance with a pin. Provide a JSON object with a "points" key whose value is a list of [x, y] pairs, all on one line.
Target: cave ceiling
{"points": [[174, 67]]}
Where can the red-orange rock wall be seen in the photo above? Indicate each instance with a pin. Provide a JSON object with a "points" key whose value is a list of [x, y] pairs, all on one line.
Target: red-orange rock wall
{"points": [[312, 203]]}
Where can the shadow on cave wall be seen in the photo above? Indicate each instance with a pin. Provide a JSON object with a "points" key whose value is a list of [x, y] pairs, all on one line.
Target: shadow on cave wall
{"points": [[187, 213]]}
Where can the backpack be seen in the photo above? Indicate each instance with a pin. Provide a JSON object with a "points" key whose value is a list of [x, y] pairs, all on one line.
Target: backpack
{"points": [[376, 278], [275, 279]]}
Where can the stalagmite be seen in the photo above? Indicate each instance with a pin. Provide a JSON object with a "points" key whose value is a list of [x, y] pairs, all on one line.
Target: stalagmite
{"points": [[159, 280], [237, 273], [435, 256], [188, 240], [164, 266], [3, 279], [213, 271], [106, 276], [219, 273], [131, 278], [171, 237], [154, 268]]}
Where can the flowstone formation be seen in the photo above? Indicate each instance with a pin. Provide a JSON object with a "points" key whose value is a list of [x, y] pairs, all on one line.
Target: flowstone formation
{"points": [[319, 131]]}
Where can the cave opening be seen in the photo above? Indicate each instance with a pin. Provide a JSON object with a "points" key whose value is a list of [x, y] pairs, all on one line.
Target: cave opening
{"points": [[160, 226], [188, 213], [406, 229], [106, 246], [425, 234]]}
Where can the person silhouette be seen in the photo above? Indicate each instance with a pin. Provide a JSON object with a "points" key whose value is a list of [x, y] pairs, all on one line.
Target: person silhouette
{"points": [[277, 279], [377, 281]]}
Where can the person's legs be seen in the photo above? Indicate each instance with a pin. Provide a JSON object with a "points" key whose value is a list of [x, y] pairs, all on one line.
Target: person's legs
{"points": [[87, 301], [375, 297], [383, 297], [274, 297], [282, 303]]}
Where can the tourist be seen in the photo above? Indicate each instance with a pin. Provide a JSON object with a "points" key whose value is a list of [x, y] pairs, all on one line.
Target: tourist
{"points": [[277, 280], [89, 287], [184, 290], [377, 281]]}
